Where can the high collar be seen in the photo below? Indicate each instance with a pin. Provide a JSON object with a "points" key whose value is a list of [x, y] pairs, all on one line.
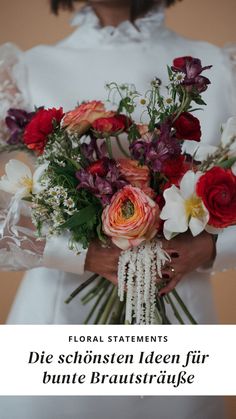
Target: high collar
{"points": [[90, 32]]}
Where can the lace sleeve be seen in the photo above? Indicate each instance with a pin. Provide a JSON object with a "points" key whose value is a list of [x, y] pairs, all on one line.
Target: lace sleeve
{"points": [[21, 250], [13, 84], [19, 247]]}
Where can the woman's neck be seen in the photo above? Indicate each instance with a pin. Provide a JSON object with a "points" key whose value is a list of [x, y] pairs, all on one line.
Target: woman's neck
{"points": [[111, 13]]}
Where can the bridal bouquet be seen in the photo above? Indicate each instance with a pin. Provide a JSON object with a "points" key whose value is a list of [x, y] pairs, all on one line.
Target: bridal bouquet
{"points": [[154, 189]]}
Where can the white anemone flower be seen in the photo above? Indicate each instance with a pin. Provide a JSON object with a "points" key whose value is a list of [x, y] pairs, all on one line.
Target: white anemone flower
{"points": [[229, 132], [233, 168], [184, 209], [19, 179]]}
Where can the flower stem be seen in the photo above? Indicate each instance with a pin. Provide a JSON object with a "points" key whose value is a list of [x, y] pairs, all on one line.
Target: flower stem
{"points": [[103, 305], [160, 304], [158, 316], [183, 306], [173, 306], [80, 288], [117, 312], [93, 292], [122, 148], [109, 147], [107, 311], [101, 294]]}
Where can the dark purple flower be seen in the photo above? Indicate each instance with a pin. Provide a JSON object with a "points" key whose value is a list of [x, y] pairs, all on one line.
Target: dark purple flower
{"points": [[102, 187], [16, 121], [158, 152], [139, 150], [154, 153], [192, 68], [95, 150]]}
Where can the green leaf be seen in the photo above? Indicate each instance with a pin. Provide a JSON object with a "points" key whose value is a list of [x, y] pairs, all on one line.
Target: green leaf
{"points": [[227, 164], [199, 100], [27, 199], [81, 217], [170, 72], [100, 234]]}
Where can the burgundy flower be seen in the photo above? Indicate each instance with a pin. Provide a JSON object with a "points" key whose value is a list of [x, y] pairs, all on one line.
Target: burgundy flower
{"points": [[187, 127], [174, 169], [155, 152], [163, 147], [102, 185], [192, 68], [95, 150], [139, 150], [16, 121]]}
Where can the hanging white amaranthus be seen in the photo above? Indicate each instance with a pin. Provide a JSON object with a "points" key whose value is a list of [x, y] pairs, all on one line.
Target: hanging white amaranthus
{"points": [[138, 270]]}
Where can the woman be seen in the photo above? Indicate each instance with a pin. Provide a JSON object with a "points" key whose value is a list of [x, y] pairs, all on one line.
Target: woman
{"points": [[123, 41]]}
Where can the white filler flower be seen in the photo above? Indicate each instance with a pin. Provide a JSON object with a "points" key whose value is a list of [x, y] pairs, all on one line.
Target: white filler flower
{"points": [[183, 208], [19, 179]]}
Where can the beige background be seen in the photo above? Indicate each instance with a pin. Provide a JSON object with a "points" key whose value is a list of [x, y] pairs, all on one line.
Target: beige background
{"points": [[28, 23]]}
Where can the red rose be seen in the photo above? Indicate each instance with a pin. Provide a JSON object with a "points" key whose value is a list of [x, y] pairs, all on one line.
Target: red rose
{"points": [[99, 168], [174, 169], [112, 125], [41, 125], [217, 188], [187, 127]]}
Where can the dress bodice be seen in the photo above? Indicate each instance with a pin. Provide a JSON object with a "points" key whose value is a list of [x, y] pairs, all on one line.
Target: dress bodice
{"points": [[78, 67]]}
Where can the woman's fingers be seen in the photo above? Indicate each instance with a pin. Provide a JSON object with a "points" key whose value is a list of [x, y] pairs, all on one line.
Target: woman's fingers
{"points": [[170, 286]]}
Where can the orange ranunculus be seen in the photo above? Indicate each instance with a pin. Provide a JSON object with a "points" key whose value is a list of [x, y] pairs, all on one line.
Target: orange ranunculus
{"points": [[131, 218], [81, 118], [136, 175]]}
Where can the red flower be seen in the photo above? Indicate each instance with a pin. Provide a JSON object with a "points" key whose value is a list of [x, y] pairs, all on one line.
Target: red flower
{"points": [[111, 125], [187, 127], [125, 119], [192, 68], [180, 62], [160, 200], [41, 125], [99, 168], [217, 188], [174, 169]]}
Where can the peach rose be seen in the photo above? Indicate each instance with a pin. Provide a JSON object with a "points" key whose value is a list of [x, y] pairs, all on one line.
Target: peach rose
{"points": [[136, 175], [81, 118], [131, 218]]}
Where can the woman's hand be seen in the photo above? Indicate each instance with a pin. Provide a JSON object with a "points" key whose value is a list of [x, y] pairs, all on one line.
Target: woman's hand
{"points": [[187, 253], [103, 260]]}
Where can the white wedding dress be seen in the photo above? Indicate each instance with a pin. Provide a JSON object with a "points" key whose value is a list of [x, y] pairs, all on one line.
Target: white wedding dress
{"points": [[77, 69]]}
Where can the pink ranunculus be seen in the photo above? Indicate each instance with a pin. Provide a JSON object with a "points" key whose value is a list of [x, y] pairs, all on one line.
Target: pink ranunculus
{"points": [[131, 218], [136, 175], [81, 118]]}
